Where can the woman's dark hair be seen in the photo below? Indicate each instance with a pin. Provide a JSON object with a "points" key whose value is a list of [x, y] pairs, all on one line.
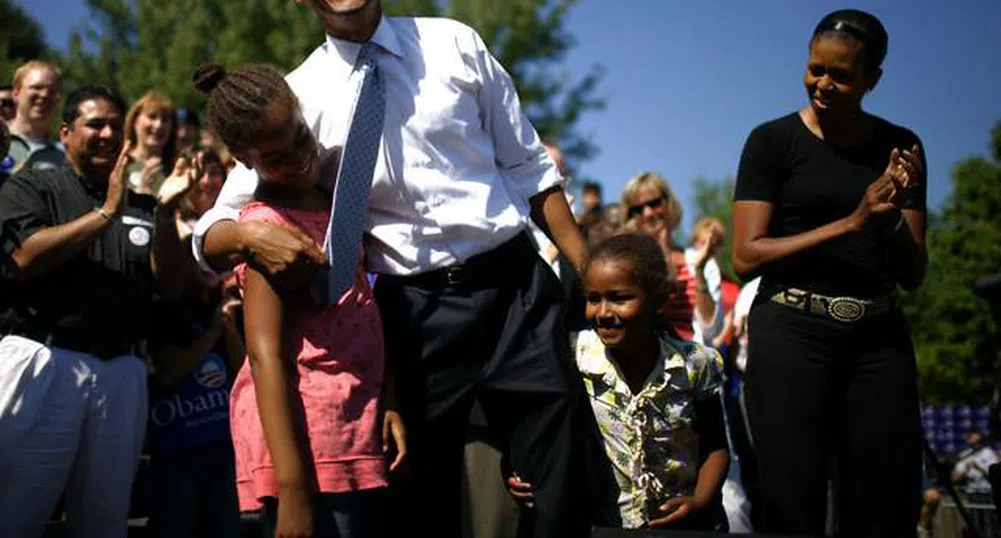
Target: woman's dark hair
{"points": [[238, 99], [863, 27]]}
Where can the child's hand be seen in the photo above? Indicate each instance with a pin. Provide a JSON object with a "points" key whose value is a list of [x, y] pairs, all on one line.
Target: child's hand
{"points": [[228, 308], [520, 491], [393, 429], [295, 514], [676, 509]]}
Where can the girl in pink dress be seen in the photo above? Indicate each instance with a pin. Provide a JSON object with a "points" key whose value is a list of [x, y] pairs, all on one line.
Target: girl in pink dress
{"points": [[308, 405]]}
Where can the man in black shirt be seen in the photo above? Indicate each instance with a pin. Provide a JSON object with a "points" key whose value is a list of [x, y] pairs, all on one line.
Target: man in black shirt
{"points": [[84, 258]]}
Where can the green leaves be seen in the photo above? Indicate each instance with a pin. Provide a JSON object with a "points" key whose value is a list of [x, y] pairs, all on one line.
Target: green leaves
{"points": [[138, 45], [20, 39], [956, 339], [528, 38], [714, 198]]}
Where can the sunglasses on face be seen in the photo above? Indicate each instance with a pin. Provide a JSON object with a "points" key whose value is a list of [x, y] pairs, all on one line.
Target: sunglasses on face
{"points": [[637, 210]]}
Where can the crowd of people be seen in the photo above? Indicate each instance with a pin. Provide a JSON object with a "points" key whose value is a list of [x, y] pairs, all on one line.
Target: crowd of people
{"points": [[356, 301]]}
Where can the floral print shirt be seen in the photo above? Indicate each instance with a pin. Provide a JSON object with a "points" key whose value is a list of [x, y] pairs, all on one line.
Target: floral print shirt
{"points": [[649, 437]]}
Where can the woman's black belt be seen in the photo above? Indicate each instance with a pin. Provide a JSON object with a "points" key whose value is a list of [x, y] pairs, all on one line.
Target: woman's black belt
{"points": [[844, 309]]}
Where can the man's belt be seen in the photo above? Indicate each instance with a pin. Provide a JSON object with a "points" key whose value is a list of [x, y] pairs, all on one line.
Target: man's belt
{"points": [[493, 264], [843, 309]]}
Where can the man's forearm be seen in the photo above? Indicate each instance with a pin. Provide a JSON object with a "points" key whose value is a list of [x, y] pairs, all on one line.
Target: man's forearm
{"points": [[173, 364], [552, 214], [223, 245], [171, 262], [51, 247]]}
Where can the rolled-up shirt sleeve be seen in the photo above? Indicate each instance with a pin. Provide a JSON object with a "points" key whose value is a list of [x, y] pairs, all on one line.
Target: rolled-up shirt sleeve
{"points": [[521, 158], [236, 192]]}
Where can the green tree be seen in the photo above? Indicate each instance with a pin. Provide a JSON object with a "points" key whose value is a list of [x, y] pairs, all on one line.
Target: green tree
{"points": [[20, 39], [529, 39], [714, 198], [956, 339], [137, 45]]}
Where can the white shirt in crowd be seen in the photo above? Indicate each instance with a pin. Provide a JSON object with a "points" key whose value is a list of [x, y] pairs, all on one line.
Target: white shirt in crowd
{"points": [[973, 466], [458, 161], [741, 309]]}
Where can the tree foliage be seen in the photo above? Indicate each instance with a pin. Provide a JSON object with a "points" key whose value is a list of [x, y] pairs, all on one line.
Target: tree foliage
{"points": [[138, 45], [528, 37], [714, 198], [20, 39], [956, 339]]}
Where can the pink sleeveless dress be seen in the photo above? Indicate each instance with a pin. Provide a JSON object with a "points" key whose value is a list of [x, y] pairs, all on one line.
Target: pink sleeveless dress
{"points": [[338, 360]]}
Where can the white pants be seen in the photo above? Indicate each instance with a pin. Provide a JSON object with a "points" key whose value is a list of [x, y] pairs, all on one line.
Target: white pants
{"points": [[68, 422], [735, 503]]}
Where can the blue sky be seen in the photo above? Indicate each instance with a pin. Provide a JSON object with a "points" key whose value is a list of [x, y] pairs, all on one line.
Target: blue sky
{"points": [[687, 80]]}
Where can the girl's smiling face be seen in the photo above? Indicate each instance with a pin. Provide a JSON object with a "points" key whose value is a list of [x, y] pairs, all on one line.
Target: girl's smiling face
{"points": [[620, 310], [283, 151]]}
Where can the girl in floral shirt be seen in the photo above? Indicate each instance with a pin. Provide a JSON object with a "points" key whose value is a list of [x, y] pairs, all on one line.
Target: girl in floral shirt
{"points": [[655, 396]]}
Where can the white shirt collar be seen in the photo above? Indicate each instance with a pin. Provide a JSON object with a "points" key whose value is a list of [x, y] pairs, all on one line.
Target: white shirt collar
{"points": [[384, 36], [593, 361]]}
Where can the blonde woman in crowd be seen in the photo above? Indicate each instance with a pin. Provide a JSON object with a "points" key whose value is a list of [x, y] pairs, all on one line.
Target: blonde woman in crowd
{"points": [[649, 206], [149, 127]]}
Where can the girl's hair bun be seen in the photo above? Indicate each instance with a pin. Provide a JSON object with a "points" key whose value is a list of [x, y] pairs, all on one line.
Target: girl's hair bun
{"points": [[206, 77]]}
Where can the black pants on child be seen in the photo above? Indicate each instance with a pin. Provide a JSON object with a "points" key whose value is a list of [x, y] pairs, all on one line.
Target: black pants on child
{"points": [[491, 330], [817, 390]]}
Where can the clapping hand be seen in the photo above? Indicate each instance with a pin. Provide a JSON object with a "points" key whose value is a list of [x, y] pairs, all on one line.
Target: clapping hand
{"points": [[907, 165], [880, 198], [114, 200], [180, 181], [708, 243]]}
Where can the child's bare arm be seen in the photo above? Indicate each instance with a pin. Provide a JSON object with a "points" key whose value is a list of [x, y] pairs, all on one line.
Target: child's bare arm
{"points": [[264, 314]]}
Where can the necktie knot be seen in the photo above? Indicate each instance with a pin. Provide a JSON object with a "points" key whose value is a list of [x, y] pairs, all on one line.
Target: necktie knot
{"points": [[367, 55]]}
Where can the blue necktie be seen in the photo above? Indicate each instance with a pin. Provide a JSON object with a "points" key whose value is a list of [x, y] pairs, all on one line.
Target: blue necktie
{"points": [[349, 206]]}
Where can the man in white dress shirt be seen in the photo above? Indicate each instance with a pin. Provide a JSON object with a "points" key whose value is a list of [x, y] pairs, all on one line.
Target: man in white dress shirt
{"points": [[469, 310]]}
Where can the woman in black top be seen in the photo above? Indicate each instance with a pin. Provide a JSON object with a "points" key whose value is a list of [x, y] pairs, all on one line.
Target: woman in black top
{"points": [[830, 210]]}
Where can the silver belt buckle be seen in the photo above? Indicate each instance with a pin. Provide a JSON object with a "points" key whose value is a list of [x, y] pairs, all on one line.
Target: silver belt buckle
{"points": [[846, 309]]}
